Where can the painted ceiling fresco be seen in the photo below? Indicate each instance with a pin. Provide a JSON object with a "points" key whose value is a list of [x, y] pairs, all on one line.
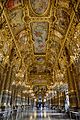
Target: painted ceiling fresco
{"points": [[23, 37], [39, 6], [10, 4], [16, 20], [39, 33], [40, 39]]}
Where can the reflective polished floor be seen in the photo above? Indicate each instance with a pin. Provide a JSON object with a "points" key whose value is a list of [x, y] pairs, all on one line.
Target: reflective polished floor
{"points": [[34, 114]]}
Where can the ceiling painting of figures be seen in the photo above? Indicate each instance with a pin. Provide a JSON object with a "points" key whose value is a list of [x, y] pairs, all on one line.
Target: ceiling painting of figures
{"points": [[12, 4], [23, 37], [40, 41], [16, 20], [39, 6], [39, 34]]}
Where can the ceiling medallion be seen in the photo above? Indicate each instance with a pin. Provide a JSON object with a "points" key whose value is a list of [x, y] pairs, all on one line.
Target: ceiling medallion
{"points": [[40, 59], [39, 6]]}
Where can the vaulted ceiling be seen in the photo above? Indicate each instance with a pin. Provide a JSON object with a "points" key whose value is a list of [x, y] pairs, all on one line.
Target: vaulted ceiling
{"points": [[40, 40]]}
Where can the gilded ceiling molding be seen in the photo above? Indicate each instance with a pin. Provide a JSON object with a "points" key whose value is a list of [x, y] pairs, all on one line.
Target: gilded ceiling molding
{"points": [[9, 25], [69, 27], [73, 15], [35, 36], [60, 36], [5, 43]]}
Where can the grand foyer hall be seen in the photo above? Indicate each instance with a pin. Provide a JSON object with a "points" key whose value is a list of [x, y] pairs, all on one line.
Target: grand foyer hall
{"points": [[39, 59]]}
